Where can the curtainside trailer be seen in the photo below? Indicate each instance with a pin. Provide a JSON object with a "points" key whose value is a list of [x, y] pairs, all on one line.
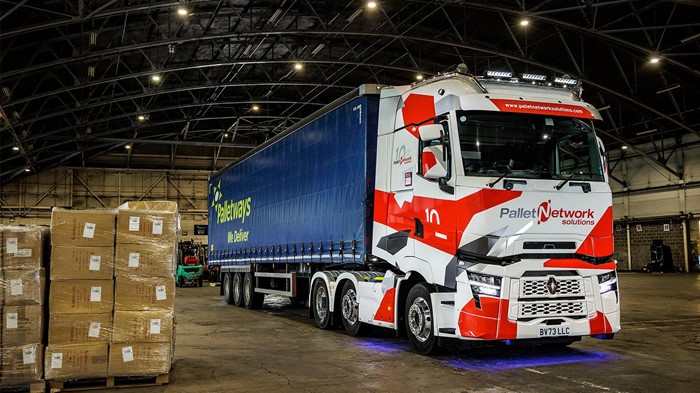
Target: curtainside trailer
{"points": [[460, 209]]}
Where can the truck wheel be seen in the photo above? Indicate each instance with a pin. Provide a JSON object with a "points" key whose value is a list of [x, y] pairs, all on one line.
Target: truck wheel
{"points": [[350, 308], [419, 320], [251, 299], [228, 288], [237, 288], [320, 305]]}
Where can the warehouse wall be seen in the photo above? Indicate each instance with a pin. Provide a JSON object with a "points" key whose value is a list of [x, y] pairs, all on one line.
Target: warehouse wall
{"points": [[29, 200]]}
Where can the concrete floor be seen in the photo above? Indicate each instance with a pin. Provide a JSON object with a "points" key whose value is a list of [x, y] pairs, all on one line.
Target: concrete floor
{"points": [[221, 348]]}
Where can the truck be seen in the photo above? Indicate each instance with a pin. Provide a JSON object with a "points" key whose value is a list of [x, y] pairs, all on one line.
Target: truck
{"points": [[459, 210]]}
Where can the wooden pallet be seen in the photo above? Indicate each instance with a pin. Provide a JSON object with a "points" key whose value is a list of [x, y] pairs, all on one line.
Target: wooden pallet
{"points": [[108, 383], [32, 387]]}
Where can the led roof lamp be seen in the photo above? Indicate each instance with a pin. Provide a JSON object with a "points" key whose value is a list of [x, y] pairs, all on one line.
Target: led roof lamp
{"points": [[499, 74], [533, 77], [565, 80]]}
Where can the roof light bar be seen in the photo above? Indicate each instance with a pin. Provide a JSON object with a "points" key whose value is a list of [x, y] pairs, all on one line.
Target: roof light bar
{"points": [[534, 77], [499, 74], [565, 81]]}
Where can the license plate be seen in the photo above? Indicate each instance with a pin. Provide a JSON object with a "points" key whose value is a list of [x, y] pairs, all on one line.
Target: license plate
{"points": [[556, 331]]}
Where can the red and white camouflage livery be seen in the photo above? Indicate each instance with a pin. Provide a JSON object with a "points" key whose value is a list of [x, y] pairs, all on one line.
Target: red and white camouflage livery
{"points": [[494, 215]]}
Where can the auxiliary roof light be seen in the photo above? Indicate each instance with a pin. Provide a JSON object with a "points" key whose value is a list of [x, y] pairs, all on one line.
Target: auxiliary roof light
{"points": [[565, 81], [499, 74], [533, 77], [624, 147], [141, 117], [419, 77]]}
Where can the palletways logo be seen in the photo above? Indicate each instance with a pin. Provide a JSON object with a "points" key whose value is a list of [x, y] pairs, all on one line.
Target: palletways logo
{"points": [[545, 211], [229, 210]]}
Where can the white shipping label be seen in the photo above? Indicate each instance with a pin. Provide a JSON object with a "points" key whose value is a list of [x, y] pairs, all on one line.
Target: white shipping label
{"points": [[160, 292], [24, 252], [95, 262], [16, 287], [57, 360], [157, 227], [11, 245], [95, 294], [155, 327], [134, 259], [134, 223], [89, 230], [29, 355], [128, 354], [94, 330], [11, 322]]}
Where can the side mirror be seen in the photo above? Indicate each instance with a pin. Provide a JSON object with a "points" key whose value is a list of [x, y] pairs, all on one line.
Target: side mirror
{"points": [[432, 165], [430, 132]]}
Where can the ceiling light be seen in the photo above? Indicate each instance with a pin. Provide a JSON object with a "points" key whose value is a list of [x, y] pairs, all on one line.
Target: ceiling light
{"points": [[182, 11], [668, 88], [141, 117], [155, 78], [298, 66], [127, 146], [371, 4], [15, 148], [654, 60], [419, 77], [255, 107], [225, 134], [524, 22], [624, 147], [27, 170]]}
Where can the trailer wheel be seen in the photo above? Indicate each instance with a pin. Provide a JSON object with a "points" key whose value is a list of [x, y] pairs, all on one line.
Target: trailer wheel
{"points": [[227, 286], [350, 308], [419, 320], [237, 288], [320, 305], [251, 299]]}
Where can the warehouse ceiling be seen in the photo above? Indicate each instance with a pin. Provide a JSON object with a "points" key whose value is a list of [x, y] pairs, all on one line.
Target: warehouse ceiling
{"points": [[195, 84]]}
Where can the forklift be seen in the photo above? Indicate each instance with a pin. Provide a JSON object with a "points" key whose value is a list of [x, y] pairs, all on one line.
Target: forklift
{"points": [[190, 264]]}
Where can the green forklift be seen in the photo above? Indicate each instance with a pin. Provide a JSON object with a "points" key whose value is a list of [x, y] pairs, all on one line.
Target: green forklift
{"points": [[190, 265]]}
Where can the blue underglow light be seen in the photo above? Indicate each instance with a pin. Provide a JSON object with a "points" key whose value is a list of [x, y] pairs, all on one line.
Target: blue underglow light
{"points": [[384, 345], [507, 359]]}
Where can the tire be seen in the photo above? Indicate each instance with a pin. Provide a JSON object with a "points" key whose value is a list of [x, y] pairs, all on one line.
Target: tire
{"points": [[251, 299], [350, 311], [227, 287], [320, 305], [237, 288], [419, 320]]}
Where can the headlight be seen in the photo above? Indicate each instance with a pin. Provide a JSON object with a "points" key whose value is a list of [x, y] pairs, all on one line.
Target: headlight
{"points": [[607, 282], [485, 285]]}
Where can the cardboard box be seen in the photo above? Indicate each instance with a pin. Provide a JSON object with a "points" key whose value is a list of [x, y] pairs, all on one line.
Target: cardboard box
{"points": [[151, 293], [139, 359], [81, 296], [70, 262], [21, 364], [23, 247], [82, 227], [144, 222], [23, 287], [80, 328], [22, 324], [76, 361], [143, 326], [148, 260]]}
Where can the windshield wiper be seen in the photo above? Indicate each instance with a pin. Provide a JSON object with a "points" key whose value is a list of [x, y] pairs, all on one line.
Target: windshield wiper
{"points": [[506, 173], [563, 182]]}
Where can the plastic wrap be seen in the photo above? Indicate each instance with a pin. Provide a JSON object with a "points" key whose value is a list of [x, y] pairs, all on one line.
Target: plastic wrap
{"points": [[21, 364], [23, 247], [83, 227], [149, 259], [143, 326], [80, 328], [76, 361], [22, 324], [148, 222], [22, 287], [81, 296], [130, 359], [138, 293]]}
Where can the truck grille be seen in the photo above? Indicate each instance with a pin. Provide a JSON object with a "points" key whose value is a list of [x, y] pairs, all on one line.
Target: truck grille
{"points": [[551, 309], [538, 288]]}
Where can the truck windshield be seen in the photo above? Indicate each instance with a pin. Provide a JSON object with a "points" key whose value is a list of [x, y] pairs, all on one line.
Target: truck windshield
{"points": [[527, 146]]}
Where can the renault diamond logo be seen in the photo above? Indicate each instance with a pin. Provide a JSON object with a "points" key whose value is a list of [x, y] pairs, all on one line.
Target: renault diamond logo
{"points": [[552, 285]]}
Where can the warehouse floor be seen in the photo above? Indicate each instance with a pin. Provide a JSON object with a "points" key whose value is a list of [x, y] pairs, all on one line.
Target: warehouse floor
{"points": [[221, 348]]}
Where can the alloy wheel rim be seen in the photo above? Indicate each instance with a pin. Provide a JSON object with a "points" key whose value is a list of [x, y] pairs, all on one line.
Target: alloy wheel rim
{"points": [[420, 319]]}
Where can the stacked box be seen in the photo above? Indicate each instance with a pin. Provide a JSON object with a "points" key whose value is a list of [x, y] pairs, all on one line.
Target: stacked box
{"points": [[23, 253], [81, 296], [145, 260]]}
